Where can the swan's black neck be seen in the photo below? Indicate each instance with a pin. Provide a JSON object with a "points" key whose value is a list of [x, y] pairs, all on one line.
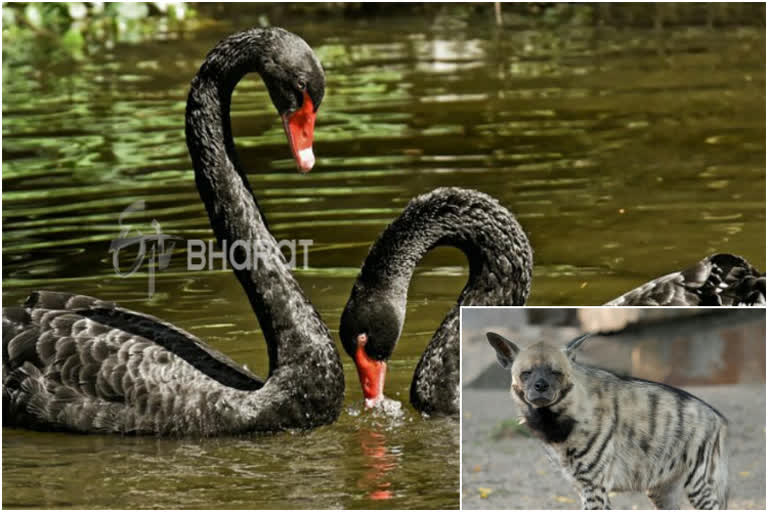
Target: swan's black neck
{"points": [[208, 127], [500, 263], [499, 255], [288, 320]]}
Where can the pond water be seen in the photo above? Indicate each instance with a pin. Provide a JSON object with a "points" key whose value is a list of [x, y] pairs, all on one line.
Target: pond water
{"points": [[625, 154]]}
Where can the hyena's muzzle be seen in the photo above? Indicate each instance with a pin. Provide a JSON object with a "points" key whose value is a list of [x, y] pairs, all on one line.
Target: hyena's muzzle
{"points": [[541, 386]]}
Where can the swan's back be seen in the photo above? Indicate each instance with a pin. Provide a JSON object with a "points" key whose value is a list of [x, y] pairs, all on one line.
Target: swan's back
{"points": [[717, 280], [72, 362]]}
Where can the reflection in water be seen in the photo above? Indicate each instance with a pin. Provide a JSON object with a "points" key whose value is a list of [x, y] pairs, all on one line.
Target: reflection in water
{"points": [[382, 428], [378, 462]]}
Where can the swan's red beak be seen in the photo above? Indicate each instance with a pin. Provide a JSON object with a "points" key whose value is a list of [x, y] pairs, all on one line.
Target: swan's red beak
{"points": [[371, 373], [299, 127]]}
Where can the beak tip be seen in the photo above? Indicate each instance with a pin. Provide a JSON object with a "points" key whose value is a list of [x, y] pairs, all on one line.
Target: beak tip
{"points": [[305, 160]]}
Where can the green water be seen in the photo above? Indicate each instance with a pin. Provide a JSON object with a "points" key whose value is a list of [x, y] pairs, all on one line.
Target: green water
{"points": [[625, 154]]}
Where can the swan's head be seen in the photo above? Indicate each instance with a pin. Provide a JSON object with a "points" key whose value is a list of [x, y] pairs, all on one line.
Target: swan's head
{"points": [[369, 331], [296, 84]]}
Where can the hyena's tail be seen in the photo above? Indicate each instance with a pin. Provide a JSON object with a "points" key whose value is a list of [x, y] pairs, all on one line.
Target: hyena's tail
{"points": [[718, 467]]}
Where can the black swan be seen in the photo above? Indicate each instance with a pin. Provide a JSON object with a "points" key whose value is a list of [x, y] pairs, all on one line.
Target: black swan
{"points": [[500, 270], [75, 363]]}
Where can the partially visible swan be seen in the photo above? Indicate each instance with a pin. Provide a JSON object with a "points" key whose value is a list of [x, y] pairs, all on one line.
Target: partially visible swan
{"points": [[76, 363], [717, 280], [500, 269]]}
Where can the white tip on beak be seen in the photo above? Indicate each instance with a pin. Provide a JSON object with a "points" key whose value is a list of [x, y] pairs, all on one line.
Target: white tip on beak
{"points": [[306, 160]]}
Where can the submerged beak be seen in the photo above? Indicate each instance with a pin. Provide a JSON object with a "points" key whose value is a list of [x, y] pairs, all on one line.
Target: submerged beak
{"points": [[299, 127], [371, 373]]}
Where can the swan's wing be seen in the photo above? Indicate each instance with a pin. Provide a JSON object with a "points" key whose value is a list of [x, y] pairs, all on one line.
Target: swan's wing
{"points": [[717, 280], [61, 349]]}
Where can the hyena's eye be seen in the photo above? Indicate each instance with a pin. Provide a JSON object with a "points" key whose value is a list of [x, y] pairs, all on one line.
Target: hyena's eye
{"points": [[557, 374], [525, 375]]}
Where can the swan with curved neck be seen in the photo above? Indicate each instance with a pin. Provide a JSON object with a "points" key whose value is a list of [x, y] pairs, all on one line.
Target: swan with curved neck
{"points": [[500, 269], [72, 362]]}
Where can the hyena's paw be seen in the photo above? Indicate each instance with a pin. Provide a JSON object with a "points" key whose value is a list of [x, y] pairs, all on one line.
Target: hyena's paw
{"points": [[594, 498], [668, 497]]}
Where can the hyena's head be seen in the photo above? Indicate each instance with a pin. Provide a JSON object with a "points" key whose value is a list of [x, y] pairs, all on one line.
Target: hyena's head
{"points": [[541, 373]]}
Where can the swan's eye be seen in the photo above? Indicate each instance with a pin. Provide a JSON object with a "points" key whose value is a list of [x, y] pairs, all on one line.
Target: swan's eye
{"points": [[301, 85]]}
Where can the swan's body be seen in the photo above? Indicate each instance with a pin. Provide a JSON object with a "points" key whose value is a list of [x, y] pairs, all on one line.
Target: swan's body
{"points": [[501, 266], [78, 363], [75, 363]]}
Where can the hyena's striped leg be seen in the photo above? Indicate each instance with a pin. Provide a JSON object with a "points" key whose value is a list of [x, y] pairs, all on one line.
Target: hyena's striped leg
{"points": [[667, 497], [700, 490], [707, 482], [593, 496], [705, 497]]}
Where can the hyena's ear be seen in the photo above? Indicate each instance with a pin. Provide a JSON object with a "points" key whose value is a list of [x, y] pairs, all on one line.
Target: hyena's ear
{"points": [[506, 351], [571, 348]]}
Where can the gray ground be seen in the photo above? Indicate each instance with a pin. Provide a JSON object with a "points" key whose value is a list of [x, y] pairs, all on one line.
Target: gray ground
{"points": [[512, 471]]}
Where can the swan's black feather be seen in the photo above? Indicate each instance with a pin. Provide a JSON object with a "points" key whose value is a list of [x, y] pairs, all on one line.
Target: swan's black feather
{"points": [[717, 280], [191, 349], [64, 364]]}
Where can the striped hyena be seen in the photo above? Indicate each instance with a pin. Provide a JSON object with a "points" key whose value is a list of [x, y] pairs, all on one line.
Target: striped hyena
{"points": [[615, 433]]}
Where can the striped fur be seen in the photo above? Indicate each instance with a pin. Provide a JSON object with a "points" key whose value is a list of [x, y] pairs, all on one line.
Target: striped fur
{"points": [[614, 433]]}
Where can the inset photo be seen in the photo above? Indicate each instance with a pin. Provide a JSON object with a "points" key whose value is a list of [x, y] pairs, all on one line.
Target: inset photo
{"points": [[624, 408]]}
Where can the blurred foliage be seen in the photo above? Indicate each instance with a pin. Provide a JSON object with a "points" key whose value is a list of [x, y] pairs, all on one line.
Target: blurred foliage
{"points": [[524, 13], [69, 29], [509, 428]]}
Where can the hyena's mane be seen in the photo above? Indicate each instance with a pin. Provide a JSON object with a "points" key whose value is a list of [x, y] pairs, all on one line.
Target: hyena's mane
{"points": [[548, 425]]}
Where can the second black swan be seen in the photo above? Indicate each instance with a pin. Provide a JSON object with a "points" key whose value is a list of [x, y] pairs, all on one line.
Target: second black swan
{"points": [[500, 269], [76, 363]]}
